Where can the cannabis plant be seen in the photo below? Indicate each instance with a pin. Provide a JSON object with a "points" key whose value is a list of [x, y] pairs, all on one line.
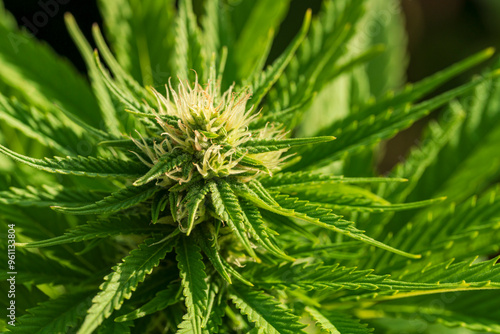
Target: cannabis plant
{"points": [[199, 184]]}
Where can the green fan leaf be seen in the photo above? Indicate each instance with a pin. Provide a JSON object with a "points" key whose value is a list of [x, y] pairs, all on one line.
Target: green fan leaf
{"points": [[98, 85], [469, 229], [161, 300], [215, 309], [48, 196], [117, 201], [164, 165], [206, 238], [322, 321], [476, 312], [363, 132], [264, 18], [122, 94], [412, 92], [315, 214], [91, 166], [27, 67], [260, 232], [136, 32], [263, 82], [192, 272], [268, 145], [229, 209], [194, 201], [467, 163], [268, 315], [304, 180], [189, 52], [350, 198], [153, 76], [443, 277], [333, 28], [40, 269], [49, 129], [124, 279], [420, 158], [54, 316], [336, 323], [101, 228]]}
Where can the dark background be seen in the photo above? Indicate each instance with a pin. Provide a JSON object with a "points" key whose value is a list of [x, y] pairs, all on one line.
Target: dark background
{"points": [[440, 32]]}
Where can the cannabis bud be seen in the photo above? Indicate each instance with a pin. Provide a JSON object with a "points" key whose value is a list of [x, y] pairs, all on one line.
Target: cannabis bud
{"points": [[205, 135]]}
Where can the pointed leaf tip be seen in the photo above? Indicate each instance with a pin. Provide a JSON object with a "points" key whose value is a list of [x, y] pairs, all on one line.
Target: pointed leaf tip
{"points": [[489, 51]]}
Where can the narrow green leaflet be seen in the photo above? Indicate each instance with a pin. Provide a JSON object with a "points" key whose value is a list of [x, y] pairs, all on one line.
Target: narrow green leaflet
{"points": [[412, 92], [363, 132], [46, 128], [231, 209], [188, 50], [332, 28], [212, 37], [40, 269], [318, 215], [48, 196], [287, 224], [438, 134], [192, 272], [336, 323], [101, 228], [103, 97], [304, 180], [476, 312], [330, 73], [164, 165], [87, 166], [136, 31], [161, 300], [442, 277], [346, 250], [265, 80], [343, 198], [119, 74], [265, 17], [210, 248], [469, 162], [194, 202], [54, 316], [469, 227], [269, 145], [322, 321], [128, 143], [260, 232], [124, 279], [120, 200], [269, 316], [27, 67], [280, 116], [123, 94], [215, 308]]}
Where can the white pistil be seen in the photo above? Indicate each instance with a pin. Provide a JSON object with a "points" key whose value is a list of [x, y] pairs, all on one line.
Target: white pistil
{"points": [[208, 121]]}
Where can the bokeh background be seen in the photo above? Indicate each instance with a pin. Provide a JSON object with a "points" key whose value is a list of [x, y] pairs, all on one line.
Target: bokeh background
{"points": [[440, 32]]}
